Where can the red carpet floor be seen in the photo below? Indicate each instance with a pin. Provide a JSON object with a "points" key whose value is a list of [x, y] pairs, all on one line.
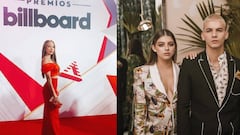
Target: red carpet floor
{"points": [[90, 125]]}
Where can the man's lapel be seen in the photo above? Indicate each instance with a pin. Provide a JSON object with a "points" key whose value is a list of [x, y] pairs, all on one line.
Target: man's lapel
{"points": [[205, 69], [231, 71]]}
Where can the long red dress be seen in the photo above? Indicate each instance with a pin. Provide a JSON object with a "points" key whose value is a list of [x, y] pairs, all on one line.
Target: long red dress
{"points": [[51, 124]]}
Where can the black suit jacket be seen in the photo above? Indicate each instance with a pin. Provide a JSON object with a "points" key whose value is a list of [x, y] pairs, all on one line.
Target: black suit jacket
{"points": [[198, 111]]}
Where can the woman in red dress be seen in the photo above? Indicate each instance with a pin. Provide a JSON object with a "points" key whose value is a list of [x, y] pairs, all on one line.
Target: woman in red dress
{"points": [[50, 71]]}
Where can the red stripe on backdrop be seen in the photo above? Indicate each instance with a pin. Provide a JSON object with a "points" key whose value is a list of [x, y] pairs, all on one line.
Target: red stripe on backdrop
{"points": [[27, 88], [103, 49], [68, 76], [88, 125], [110, 17], [113, 81]]}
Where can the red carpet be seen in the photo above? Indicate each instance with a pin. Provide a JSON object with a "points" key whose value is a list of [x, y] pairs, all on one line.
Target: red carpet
{"points": [[89, 125]]}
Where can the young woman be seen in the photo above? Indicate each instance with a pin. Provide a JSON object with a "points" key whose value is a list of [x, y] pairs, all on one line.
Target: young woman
{"points": [[155, 88], [50, 71]]}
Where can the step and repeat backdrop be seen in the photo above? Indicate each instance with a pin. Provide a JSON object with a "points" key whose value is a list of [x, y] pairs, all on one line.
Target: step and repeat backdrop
{"points": [[84, 32]]}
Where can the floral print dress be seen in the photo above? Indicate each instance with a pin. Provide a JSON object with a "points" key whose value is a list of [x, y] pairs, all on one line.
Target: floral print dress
{"points": [[154, 114]]}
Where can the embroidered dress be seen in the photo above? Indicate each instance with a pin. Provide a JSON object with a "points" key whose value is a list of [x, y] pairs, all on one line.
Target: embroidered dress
{"points": [[51, 125], [154, 114]]}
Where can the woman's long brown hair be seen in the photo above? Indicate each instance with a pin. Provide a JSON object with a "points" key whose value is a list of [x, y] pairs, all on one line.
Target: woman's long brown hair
{"points": [[53, 56]]}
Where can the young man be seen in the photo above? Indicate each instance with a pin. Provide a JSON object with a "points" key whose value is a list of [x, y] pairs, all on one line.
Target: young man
{"points": [[208, 91]]}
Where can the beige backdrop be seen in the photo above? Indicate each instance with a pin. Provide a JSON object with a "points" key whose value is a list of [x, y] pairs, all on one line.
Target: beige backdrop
{"points": [[175, 10]]}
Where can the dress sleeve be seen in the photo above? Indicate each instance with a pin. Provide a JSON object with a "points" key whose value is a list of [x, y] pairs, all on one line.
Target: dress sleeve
{"points": [[140, 102], [46, 68]]}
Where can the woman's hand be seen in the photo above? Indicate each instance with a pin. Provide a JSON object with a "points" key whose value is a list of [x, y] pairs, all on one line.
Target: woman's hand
{"points": [[55, 101], [191, 55]]}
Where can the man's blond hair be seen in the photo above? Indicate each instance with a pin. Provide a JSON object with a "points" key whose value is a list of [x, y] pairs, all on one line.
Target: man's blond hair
{"points": [[214, 17]]}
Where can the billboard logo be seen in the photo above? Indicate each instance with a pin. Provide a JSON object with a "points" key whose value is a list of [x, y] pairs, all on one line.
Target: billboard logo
{"points": [[72, 72], [61, 3], [31, 18]]}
